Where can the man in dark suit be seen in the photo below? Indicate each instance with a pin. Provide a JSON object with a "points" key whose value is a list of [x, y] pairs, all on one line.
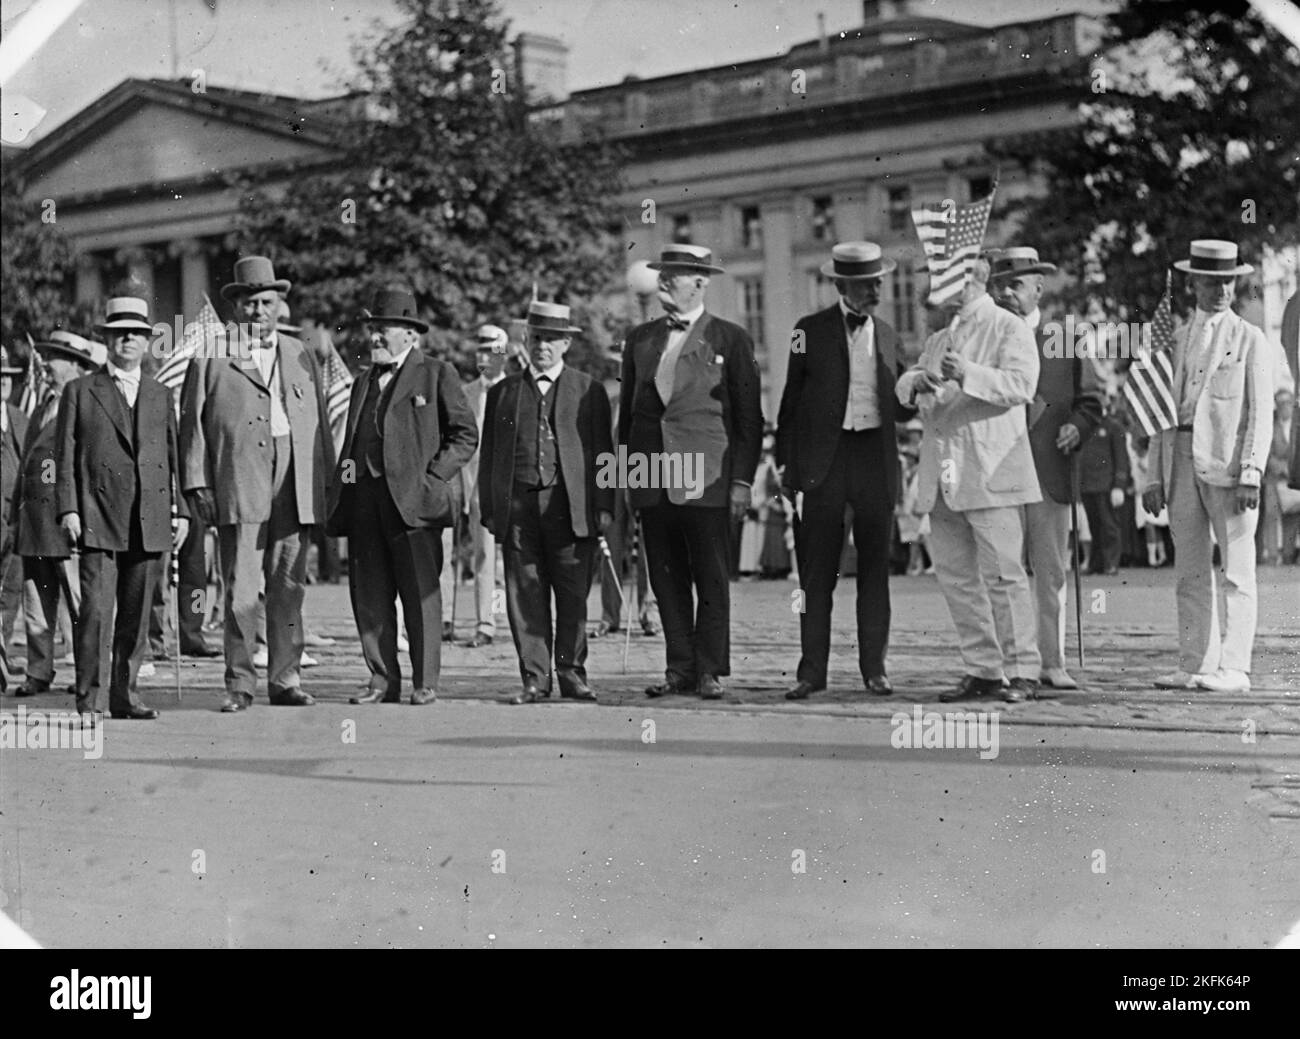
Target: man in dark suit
{"points": [[117, 466], [546, 440], [1065, 410], [691, 426], [13, 431], [409, 432], [1103, 478], [836, 443], [256, 454], [47, 556]]}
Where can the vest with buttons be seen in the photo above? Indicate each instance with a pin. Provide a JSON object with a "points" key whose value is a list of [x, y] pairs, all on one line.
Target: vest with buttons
{"points": [[537, 458], [368, 442]]}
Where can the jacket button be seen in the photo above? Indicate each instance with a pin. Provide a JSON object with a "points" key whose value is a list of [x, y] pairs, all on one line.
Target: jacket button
{"points": [[261, 443]]}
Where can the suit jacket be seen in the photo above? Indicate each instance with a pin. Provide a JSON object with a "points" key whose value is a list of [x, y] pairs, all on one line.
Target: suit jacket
{"points": [[816, 395], [11, 453], [36, 515], [225, 435], [1069, 390], [1233, 423], [1103, 462], [976, 442], [714, 413], [476, 397], [109, 455], [582, 439], [429, 433]]}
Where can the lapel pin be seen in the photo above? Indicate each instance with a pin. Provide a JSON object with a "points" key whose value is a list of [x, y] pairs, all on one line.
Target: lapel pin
{"points": [[420, 401], [297, 392]]}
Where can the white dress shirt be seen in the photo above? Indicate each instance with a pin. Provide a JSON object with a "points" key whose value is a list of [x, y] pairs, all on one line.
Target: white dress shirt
{"points": [[552, 373], [863, 408], [266, 356], [127, 382], [386, 377], [667, 370]]}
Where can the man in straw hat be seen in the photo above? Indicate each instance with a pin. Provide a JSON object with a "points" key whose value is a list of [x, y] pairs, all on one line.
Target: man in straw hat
{"points": [[13, 431], [1066, 408], [977, 471], [257, 451], [546, 434], [117, 483], [409, 432], [48, 566], [690, 404], [836, 444], [1208, 470]]}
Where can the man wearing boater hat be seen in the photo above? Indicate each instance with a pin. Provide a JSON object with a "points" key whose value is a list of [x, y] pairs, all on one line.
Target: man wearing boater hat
{"points": [[117, 483], [1208, 470], [409, 432], [47, 556], [836, 444], [257, 451], [689, 402], [1066, 408], [546, 433]]}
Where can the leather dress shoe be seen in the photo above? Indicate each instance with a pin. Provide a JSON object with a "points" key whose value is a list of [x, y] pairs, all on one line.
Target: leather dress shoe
{"points": [[420, 697], [203, 650], [480, 639], [1021, 689], [802, 691], [237, 701], [648, 628], [291, 697], [972, 688], [672, 687], [448, 631], [31, 687], [531, 693], [880, 685], [602, 629], [377, 696], [136, 712], [710, 688], [577, 691], [1058, 678]]}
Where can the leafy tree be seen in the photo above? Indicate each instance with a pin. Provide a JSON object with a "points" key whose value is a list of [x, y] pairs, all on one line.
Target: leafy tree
{"points": [[446, 183], [1190, 131]]}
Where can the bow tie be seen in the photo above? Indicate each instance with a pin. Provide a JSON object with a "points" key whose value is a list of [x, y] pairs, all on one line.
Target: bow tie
{"points": [[385, 367], [539, 379], [677, 324], [855, 320]]}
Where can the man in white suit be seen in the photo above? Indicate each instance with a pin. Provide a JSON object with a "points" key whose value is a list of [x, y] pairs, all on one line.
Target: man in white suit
{"points": [[491, 350], [971, 385], [1209, 471]]}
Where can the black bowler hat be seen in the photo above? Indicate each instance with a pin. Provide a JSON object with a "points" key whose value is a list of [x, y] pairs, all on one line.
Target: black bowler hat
{"points": [[395, 304]]}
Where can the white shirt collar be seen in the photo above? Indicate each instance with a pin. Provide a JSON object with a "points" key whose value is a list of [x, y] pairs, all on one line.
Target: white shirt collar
{"points": [[269, 343], [123, 376], [552, 373], [691, 316], [400, 359], [846, 310], [1033, 318]]}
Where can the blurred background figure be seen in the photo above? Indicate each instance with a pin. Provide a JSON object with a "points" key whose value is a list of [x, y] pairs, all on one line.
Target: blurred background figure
{"points": [[1280, 521], [1152, 530], [913, 527], [1103, 477]]}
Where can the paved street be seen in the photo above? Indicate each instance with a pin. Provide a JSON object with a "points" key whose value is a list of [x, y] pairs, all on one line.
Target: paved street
{"points": [[1114, 816]]}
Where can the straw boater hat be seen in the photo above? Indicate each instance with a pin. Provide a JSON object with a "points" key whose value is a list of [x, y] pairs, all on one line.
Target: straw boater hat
{"points": [[253, 274], [549, 317], [1017, 261], [492, 337], [66, 344], [395, 304], [5, 367], [125, 313], [688, 257], [857, 261], [1211, 256]]}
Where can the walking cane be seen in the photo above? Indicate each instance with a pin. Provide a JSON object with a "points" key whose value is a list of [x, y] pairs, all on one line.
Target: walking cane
{"points": [[636, 562], [618, 584], [1074, 537], [455, 568], [174, 580]]}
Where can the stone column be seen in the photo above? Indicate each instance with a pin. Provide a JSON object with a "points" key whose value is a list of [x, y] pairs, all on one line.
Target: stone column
{"points": [[139, 268], [778, 298], [89, 280], [194, 276]]}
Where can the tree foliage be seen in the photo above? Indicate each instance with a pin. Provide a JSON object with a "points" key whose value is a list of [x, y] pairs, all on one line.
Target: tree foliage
{"points": [[1191, 132], [454, 189]]}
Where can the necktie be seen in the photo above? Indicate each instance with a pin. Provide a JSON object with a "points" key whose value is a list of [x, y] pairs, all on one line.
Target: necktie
{"points": [[854, 320], [385, 368], [543, 384], [677, 324]]}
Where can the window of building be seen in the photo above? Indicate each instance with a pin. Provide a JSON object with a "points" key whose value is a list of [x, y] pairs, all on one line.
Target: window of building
{"points": [[902, 289], [751, 308], [823, 219], [900, 208], [682, 228], [980, 187], [751, 228]]}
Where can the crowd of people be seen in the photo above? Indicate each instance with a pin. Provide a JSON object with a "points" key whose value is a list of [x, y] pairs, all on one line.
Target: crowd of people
{"points": [[974, 463]]}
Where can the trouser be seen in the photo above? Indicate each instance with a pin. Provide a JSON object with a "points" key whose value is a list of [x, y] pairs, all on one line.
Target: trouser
{"points": [[1196, 508], [1106, 543], [11, 597], [387, 560], [45, 578], [125, 581], [977, 558], [544, 558], [272, 553], [688, 549], [1047, 543], [485, 569], [856, 481], [621, 533]]}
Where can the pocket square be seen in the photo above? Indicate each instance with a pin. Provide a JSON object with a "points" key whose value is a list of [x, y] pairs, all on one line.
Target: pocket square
{"points": [[420, 400]]}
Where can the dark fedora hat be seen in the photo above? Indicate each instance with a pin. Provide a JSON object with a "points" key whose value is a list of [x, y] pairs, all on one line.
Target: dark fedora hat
{"points": [[253, 274], [549, 317], [1015, 261], [853, 261], [396, 305], [689, 257]]}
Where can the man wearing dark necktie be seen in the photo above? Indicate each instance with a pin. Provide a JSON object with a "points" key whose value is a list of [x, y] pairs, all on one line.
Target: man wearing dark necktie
{"points": [[117, 482], [409, 432], [836, 443], [546, 431], [690, 404]]}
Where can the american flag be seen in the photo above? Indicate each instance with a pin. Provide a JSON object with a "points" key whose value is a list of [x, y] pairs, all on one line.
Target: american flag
{"points": [[36, 383], [952, 239], [338, 389], [199, 339], [1149, 388]]}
